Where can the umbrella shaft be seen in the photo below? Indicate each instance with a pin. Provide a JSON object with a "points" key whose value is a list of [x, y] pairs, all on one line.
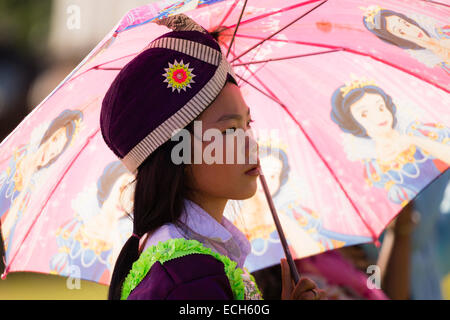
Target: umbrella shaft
{"points": [[294, 272]]}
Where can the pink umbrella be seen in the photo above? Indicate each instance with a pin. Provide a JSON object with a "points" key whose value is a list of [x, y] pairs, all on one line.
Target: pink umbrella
{"points": [[340, 162]]}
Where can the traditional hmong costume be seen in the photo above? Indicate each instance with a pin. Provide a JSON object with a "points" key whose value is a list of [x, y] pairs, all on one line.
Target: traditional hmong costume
{"points": [[178, 75], [198, 259]]}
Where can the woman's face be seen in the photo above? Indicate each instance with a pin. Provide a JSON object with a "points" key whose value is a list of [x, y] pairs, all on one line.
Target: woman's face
{"points": [[403, 29], [52, 147], [228, 179], [372, 114]]}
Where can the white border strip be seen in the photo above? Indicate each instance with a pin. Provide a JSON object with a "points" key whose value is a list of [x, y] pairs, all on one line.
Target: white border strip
{"points": [[191, 48]]}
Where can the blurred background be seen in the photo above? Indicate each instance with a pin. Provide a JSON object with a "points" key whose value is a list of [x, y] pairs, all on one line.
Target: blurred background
{"points": [[41, 42]]}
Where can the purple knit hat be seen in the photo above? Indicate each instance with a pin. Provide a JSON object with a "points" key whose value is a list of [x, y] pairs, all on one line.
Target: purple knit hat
{"points": [[164, 88]]}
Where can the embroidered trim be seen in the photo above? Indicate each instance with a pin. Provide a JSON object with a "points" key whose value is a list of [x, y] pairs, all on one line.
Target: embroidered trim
{"points": [[179, 76], [175, 248], [192, 48]]}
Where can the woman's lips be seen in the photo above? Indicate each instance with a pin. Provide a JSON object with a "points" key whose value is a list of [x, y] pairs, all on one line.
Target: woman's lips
{"points": [[383, 123], [420, 34]]}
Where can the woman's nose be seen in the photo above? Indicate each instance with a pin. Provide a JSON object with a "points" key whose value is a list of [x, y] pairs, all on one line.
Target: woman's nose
{"points": [[252, 148]]}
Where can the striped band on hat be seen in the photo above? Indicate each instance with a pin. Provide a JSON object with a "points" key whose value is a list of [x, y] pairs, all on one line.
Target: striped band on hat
{"points": [[185, 114], [194, 49]]}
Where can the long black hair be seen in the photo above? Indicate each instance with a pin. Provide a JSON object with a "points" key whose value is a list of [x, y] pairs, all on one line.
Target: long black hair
{"points": [[160, 187], [160, 190]]}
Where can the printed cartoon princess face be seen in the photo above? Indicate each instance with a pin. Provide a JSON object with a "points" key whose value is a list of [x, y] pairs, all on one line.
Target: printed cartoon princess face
{"points": [[118, 198], [52, 147], [363, 109], [372, 114], [61, 132], [395, 28], [401, 28], [114, 199], [272, 167]]}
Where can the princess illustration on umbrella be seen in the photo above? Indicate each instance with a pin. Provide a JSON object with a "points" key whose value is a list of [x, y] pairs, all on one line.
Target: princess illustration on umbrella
{"points": [[92, 239], [303, 226], [400, 153], [422, 37], [29, 167]]}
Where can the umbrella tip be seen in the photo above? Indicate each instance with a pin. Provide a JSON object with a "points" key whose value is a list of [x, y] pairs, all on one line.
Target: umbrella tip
{"points": [[3, 276]]}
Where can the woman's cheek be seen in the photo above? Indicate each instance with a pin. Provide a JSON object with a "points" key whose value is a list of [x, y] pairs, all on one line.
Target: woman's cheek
{"points": [[229, 149]]}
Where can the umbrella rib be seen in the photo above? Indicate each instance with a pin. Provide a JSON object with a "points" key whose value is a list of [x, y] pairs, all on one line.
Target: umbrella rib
{"points": [[48, 198], [101, 64], [256, 52], [355, 52], [258, 89], [277, 32], [275, 12], [288, 57], [284, 107], [437, 3], [229, 12], [313, 44], [237, 26], [246, 68]]}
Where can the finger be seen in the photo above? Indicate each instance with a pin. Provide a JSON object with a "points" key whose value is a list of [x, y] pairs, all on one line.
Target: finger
{"points": [[303, 286], [307, 295], [287, 283], [314, 294], [322, 295]]}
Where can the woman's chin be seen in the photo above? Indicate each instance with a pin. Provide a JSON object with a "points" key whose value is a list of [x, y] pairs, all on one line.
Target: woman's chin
{"points": [[247, 192]]}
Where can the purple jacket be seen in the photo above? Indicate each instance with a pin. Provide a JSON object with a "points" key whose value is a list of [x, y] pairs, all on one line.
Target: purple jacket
{"points": [[192, 277], [206, 269]]}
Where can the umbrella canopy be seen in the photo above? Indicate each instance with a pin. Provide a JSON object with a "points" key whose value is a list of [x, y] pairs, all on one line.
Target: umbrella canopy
{"points": [[352, 125]]}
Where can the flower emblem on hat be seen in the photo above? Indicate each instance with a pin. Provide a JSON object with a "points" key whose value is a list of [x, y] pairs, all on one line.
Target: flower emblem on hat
{"points": [[179, 76]]}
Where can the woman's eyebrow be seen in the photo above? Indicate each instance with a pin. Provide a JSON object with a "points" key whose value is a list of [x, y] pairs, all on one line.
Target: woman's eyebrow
{"points": [[232, 116]]}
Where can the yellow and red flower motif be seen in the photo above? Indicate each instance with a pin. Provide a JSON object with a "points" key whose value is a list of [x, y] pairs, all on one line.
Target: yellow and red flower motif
{"points": [[179, 76]]}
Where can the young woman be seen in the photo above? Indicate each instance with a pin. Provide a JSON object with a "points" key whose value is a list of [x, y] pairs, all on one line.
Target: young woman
{"points": [[182, 246]]}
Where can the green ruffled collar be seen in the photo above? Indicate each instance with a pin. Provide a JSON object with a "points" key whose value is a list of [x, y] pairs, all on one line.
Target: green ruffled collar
{"points": [[175, 248]]}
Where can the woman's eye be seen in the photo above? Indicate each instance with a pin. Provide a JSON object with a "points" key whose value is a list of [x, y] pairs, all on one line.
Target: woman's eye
{"points": [[229, 130], [233, 129], [381, 108], [364, 114]]}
